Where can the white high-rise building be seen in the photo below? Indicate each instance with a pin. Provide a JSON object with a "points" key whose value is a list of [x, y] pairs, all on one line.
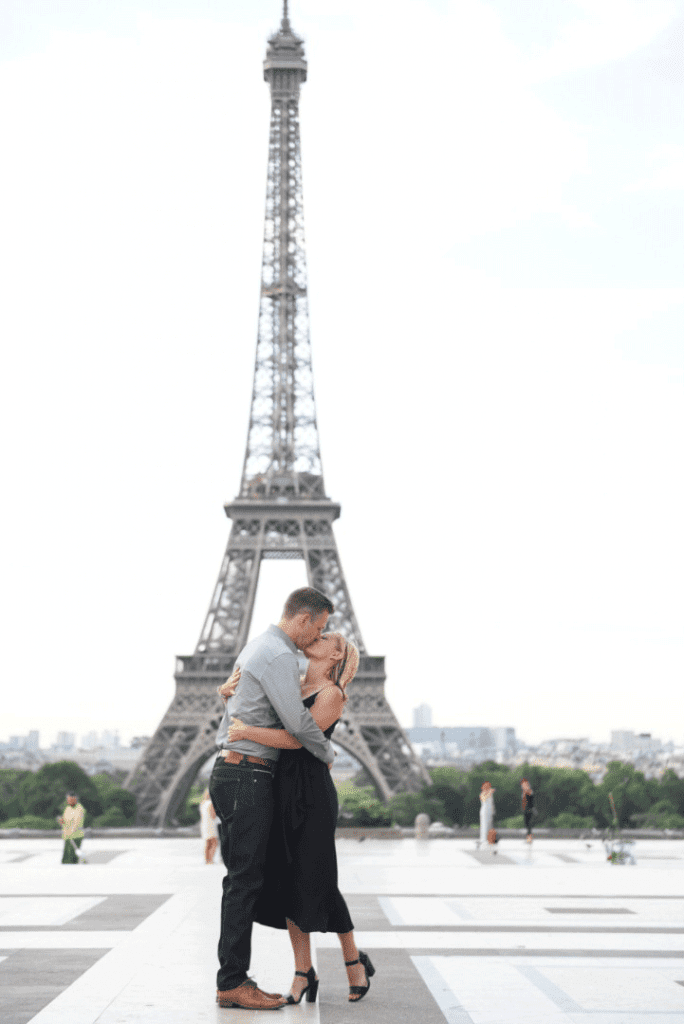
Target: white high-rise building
{"points": [[622, 739], [504, 740], [422, 716]]}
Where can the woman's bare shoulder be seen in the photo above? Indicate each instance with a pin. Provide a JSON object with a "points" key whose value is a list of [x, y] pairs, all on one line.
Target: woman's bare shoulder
{"points": [[330, 696]]}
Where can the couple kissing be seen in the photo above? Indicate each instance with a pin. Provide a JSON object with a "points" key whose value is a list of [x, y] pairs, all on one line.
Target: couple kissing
{"points": [[272, 789]]}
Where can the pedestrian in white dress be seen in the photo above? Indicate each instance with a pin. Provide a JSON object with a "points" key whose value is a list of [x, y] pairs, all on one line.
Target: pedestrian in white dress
{"points": [[487, 810], [208, 829]]}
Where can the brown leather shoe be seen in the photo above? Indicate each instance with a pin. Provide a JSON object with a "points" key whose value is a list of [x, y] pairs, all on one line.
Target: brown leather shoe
{"points": [[252, 984], [249, 997]]}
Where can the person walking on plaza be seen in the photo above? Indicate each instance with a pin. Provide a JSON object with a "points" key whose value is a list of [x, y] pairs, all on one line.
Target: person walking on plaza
{"points": [[72, 828], [241, 784], [528, 808], [487, 811], [208, 827]]}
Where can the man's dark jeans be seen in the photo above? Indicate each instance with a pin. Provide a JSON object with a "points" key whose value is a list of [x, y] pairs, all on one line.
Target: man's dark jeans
{"points": [[242, 795]]}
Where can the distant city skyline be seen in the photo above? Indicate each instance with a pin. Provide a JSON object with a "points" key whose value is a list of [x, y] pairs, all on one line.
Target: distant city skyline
{"points": [[110, 738]]}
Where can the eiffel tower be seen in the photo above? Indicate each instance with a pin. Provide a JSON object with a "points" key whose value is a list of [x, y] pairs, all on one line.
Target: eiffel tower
{"points": [[282, 510]]}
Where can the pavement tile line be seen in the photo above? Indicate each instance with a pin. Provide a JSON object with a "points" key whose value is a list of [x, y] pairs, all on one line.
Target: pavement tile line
{"points": [[94, 991], [39, 912], [556, 994], [454, 1012], [525, 896]]}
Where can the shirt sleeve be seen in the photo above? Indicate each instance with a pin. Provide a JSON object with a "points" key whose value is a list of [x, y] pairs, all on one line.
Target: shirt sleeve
{"points": [[280, 683]]}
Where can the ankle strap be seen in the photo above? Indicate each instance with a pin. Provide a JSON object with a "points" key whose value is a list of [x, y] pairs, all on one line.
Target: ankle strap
{"points": [[305, 974], [350, 963]]}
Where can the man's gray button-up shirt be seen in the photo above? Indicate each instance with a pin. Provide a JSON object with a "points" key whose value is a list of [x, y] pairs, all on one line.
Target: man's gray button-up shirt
{"points": [[269, 695]]}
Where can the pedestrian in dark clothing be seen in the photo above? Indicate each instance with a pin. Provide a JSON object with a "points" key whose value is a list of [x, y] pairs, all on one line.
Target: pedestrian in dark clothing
{"points": [[529, 810]]}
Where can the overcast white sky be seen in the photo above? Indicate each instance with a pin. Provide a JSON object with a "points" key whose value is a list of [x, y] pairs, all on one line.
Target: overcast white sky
{"points": [[493, 198]]}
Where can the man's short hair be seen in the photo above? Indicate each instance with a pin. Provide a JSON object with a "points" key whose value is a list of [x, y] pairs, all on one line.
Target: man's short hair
{"points": [[306, 599], [70, 793]]}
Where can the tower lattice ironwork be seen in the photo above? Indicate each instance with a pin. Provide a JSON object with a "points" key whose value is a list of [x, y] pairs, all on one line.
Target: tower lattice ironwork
{"points": [[282, 510]]}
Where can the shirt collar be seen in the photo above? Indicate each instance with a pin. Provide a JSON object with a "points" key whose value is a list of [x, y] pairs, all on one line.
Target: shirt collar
{"points": [[283, 636]]}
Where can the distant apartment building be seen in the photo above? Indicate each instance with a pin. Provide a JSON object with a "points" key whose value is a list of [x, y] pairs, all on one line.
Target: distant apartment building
{"points": [[505, 741], [641, 742], [422, 717], [33, 740], [89, 741], [65, 741], [622, 740], [110, 740], [106, 740]]}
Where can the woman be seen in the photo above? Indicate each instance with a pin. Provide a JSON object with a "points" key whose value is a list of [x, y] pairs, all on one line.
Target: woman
{"points": [[300, 890], [486, 811], [208, 829], [527, 806]]}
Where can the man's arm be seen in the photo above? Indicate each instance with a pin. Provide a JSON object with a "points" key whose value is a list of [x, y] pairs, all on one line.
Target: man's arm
{"points": [[280, 683]]}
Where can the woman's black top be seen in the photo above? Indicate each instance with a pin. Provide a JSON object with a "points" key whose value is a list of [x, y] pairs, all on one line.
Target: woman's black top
{"points": [[300, 876], [528, 801]]}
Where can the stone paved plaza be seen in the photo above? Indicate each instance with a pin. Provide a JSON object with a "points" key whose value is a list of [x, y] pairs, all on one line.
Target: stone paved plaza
{"points": [[550, 934]]}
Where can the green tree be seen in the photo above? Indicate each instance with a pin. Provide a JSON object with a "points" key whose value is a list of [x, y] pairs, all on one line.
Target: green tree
{"points": [[569, 820], [10, 783], [404, 807], [517, 821], [115, 798], [443, 775], [188, 813], [631, 792], [569, 791], [43, 792], [450, 786], [360, 806], [450, 800], [671, 788], [113, 817], [30, 821], [663, 814]]}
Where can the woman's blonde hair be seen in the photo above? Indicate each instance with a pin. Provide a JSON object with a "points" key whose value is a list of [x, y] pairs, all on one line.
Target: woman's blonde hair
{"points": [[343, 671]]}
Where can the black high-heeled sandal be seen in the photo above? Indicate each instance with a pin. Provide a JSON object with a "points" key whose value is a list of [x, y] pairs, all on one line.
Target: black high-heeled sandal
{"points": [[360, 990], [311, 989]]}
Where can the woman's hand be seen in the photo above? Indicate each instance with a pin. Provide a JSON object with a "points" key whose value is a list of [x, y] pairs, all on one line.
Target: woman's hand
{"points": [[237, 730], [230, 686]]}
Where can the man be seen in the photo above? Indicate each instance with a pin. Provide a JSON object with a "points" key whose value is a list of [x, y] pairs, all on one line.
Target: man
{"points": [[241, 783], [72, 828]]}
